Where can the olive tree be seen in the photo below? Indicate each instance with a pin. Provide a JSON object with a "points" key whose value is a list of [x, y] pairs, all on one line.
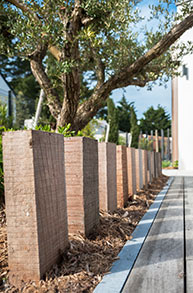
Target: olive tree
{"points": [[90, 43]]}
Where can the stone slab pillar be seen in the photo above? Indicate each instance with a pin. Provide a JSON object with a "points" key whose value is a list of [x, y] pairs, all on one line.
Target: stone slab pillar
{"points": [[139, 169], [122, 186], [107, 176], [144, 167], [35, 202], [159, 164], [149, 171], [131, 171], [153, 164], [156, 164], [81, 169]]}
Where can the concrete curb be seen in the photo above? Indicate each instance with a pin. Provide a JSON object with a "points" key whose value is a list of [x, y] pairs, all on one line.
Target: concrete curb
{"points": [[115, 280]]}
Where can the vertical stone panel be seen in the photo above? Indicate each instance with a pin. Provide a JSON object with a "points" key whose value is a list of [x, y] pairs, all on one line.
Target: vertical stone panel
{"points": [[112, 176], [35, 202], [81, 169], [153, 164], [137, 172], [139, 169], [131, 171], [103, 189], [144, 167], [90, 184], [160, 164], [107, 176], [156, 164], [122, 186], [149, 171]]}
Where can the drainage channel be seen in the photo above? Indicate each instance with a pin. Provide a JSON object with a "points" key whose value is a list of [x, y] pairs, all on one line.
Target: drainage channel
{"points": [[184, 227]]}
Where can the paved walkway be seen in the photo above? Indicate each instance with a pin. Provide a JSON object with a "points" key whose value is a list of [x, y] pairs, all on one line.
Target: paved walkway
{"points": [[165, 262]]}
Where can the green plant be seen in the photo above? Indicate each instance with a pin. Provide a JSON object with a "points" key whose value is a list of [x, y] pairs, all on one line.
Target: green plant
{"points": [[2, 129], [41, 127], [5, 121], [121, 140], [89, 130], [113, 122], [65, 130], [175, 164], [145, 144], [134, 128], [166, 164]]}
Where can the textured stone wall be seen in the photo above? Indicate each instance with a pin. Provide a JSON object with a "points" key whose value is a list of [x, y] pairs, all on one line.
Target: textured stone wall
{"points": [[35, 202], [144, 168], [122, 185], [81, 169], [131, 171], [107, 176]]}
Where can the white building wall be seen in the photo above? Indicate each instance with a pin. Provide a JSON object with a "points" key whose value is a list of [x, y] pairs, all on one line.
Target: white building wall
{"points": [[185, 111]]}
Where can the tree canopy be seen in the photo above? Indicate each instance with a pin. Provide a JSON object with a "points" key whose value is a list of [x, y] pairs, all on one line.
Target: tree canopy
{"points": [[134, 128], [124, 114], [155, 119], [113, 121], [99, 45], [23, 83]]}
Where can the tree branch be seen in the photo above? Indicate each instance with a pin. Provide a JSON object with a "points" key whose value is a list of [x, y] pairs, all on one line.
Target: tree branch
{"points": [[100, 68], [53, 49], [156, 51], [43, 80], [24, 8], [127, 75]]}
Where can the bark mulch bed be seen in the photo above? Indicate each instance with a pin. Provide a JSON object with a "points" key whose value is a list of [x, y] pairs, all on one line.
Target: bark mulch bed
{"points": [[87, 259]]}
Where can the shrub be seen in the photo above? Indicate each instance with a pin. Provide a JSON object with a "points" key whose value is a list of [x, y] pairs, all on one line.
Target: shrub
{"points": [[166, 164], [145, 144], [175, 164], [2, 129]]}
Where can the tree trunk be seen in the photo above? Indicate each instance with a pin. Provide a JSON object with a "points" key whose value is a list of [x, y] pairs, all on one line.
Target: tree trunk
{"points": [[44, 82], [71, 85]]}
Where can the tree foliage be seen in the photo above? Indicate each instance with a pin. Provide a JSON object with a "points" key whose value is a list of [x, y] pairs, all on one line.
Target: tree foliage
{"points": [[91, 40], [23, 83], [113, 121], [124, 114], [134, 128], [155, 119]]}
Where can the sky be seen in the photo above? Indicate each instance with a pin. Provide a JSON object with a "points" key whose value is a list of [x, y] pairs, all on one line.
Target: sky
{"points": [[142, 97]]}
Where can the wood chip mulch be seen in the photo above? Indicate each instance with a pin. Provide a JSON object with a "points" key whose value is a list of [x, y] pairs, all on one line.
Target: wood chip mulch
{"points": [[87, 259]]}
